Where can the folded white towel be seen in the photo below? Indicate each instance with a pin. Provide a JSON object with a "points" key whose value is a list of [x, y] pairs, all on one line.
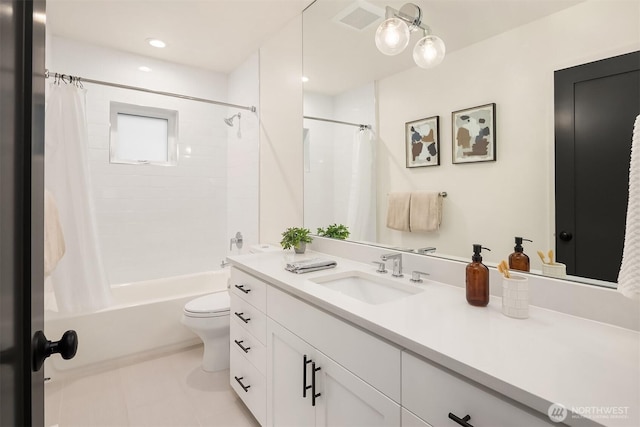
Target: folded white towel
{"points": [[629, 277], [398, 211], [54, 246], [309, 265], [425, 211]]}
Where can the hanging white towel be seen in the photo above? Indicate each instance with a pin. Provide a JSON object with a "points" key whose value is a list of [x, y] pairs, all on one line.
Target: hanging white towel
{"points": [[629, 277], [398, 211], [425, 211]]}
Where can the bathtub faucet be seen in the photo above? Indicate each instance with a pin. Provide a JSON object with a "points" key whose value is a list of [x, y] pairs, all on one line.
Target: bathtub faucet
{"points": [[237, 240]]}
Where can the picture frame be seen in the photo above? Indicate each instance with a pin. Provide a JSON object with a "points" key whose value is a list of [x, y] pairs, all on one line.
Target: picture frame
{"points": [[422, 142], [473, 134]]}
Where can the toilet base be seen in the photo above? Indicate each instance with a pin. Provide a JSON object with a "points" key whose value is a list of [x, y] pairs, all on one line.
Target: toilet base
{"points": [[216, 355]]}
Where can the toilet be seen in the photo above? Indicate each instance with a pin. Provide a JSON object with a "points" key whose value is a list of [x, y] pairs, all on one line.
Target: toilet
{"points": [[208, 317]]}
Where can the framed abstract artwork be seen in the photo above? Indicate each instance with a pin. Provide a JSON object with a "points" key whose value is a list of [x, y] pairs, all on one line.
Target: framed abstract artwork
{"points": [[474, 134], [422, 142]]}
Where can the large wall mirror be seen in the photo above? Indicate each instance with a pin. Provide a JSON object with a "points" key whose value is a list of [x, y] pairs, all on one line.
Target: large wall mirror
{"points": [[498, 52]]}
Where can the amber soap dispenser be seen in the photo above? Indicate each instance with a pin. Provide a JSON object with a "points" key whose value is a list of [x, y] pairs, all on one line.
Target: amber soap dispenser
{"points": [[518, 260], [477, 279]]}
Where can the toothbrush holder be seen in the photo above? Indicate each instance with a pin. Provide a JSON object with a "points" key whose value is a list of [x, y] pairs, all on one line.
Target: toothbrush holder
{"points": [[515, 297], [556, 269]]}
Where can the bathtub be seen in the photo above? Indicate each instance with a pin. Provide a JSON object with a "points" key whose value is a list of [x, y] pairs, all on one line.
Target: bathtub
{"points": [[144, 320]]}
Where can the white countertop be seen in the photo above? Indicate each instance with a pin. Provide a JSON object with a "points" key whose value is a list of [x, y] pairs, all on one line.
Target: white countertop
{"points": [[551, 357]]}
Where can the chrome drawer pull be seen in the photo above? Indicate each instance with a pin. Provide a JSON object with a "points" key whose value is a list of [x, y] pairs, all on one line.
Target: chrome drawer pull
{"points": [[461, 421], [239, 343], [244, 387], [241, 287], [242, 318]]}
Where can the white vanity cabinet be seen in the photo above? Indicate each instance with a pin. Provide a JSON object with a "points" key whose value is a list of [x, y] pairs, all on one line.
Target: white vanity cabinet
{"points": [[307, 388], [438, 396], [247, 335], [308, 367]]}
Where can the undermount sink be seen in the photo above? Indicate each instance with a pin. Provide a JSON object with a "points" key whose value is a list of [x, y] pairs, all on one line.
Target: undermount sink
{"points": [[366, 287]]}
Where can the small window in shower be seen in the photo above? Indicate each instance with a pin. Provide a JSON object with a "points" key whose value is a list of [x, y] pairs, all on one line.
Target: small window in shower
{"points": [[143, 135]]}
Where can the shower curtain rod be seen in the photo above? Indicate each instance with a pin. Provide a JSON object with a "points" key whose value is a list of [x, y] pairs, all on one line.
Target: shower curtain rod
{"points": [[339, 122], [48, 74]]}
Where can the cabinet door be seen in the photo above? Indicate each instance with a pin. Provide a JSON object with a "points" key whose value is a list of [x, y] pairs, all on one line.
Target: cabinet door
{"points": [[286, 372], [346, 400], [411, 420]]}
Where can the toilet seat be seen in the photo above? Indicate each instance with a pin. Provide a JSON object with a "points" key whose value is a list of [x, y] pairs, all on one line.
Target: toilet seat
{"points": [[212, 305]]}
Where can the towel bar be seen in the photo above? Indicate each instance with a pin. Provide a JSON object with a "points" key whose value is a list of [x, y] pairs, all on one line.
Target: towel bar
{"points": [[442, 194]]}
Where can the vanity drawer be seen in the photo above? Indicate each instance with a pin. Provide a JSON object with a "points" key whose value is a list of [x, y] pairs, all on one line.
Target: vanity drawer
{"points": [[375, 361], [249, 384], [248, 345], [249, 288], [249, 317], [432, 393]]}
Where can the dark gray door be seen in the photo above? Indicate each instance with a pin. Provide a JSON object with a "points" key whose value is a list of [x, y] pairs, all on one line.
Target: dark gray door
{"points": [[22, 43], [595, 108]]}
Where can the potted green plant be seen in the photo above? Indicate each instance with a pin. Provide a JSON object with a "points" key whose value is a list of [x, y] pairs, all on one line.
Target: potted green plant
{"points": [[334, 231], [296, 238]]}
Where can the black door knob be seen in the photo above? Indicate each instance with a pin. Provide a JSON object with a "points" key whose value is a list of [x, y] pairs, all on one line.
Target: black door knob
{"points": [[43, 348], [565, 236]]}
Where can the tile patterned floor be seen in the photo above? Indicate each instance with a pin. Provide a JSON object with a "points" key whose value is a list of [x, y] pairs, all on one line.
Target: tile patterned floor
{"points": [[171, 390]]}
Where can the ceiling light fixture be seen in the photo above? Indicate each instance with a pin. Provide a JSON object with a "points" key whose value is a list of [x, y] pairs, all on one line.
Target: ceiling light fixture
{"points": [[156, 43], [393, 35], [144, 68]]}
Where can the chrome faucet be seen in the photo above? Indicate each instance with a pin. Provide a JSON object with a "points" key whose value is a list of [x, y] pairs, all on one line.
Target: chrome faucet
{"points": [[236, 240], [397, 263]]}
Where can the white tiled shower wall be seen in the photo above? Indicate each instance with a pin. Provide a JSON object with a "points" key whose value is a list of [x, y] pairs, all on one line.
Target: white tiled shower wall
{"points": [[157, 221], [243, 155]]}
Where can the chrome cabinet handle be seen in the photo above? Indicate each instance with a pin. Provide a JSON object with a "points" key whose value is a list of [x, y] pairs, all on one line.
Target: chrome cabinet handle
{"points": [[239, 343], [462, 421], [244, 387], [245, 320], [241, 287]]}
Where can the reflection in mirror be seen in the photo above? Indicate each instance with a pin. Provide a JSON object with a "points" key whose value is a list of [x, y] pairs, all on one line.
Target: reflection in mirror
{"points": [[501, 52]]}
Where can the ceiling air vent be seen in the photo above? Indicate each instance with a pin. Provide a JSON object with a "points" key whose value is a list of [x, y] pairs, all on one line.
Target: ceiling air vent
{"points": [[359, 15]]}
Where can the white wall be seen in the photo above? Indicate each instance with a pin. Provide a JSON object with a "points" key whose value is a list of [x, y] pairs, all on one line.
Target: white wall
{"points": [[243, 154], [490, 203], [281, 157], [155, 221]]}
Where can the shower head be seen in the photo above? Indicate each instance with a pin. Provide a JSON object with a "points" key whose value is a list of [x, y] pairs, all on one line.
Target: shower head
{"points": [[229, 121]]}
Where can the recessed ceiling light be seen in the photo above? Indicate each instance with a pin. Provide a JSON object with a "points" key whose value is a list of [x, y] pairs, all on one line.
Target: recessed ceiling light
{"points": [[156, 43], [145, 69], [305, 79]]}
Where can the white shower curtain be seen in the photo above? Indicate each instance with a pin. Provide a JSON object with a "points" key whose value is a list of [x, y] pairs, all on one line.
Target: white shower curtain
{"points": [[361, 213], [79, 280]]}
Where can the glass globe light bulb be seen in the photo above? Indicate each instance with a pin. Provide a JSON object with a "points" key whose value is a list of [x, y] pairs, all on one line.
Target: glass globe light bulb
{"points": [[392, 36], [429, 51]]}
